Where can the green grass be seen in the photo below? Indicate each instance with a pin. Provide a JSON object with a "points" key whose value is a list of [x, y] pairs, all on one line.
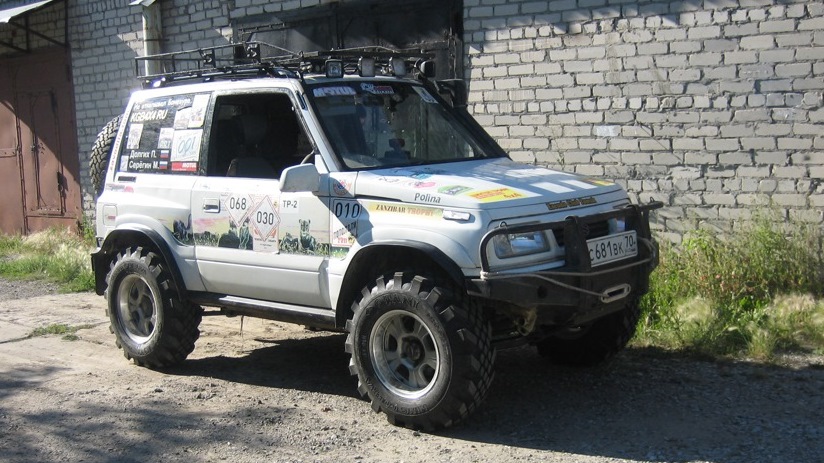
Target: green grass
{"points": [[756, 293], [68, 332], [58, 255]]}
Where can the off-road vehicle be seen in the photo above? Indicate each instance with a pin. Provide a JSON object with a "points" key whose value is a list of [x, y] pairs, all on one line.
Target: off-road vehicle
{"points": [[349, 190]]}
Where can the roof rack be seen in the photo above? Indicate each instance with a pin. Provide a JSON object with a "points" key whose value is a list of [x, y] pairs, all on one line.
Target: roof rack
{"points": [[260, 59]]}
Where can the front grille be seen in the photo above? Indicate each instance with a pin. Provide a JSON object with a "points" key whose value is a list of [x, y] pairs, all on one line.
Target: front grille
{"points": [[597, 230], [591, 231]]}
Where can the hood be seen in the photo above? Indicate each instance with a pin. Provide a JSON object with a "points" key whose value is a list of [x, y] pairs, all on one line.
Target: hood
{"points": [[481, 184]]}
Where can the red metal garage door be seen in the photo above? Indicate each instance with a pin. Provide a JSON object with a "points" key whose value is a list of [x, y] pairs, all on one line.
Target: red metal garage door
{"points": [[39, 176]]}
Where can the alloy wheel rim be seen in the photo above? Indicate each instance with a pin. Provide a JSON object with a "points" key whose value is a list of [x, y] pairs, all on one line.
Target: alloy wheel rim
{"points": [[405, 356], [136, 308]]}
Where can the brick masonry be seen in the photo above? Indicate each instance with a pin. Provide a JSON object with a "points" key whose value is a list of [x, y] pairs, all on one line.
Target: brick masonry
{"points": [[714, 107]]}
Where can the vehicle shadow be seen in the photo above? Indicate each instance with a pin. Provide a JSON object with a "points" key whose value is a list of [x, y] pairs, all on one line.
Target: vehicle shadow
{"points": [[317, 363], [646, 404]]}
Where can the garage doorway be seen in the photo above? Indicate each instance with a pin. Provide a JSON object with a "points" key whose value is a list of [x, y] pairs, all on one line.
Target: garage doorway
{"points": [[39, 166]]}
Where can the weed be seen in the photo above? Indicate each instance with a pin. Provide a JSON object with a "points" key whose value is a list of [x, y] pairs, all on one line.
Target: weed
{"points": [[728, 295], [69, 332], [56, 254]]}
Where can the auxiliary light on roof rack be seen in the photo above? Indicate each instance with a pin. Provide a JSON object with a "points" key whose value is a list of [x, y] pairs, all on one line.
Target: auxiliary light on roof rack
{"points": [[259, 59]]}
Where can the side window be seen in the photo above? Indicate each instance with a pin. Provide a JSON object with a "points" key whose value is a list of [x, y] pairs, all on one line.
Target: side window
{"points": [[256, 135], [164, 135]]}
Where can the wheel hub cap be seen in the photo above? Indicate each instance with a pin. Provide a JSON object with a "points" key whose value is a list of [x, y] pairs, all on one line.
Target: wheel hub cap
{"points": [[404, 354]]}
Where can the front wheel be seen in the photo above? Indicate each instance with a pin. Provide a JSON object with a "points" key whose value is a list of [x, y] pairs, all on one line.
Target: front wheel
{"points": [[152, 325], [422, 357], [593, 343]]}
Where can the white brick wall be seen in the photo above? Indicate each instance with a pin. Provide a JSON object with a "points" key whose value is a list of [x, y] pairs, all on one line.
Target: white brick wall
{"points": [[713, 107]]}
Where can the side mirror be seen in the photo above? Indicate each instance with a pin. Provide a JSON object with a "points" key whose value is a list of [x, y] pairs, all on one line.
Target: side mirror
{"points": [[302, 177], [456, 89]]}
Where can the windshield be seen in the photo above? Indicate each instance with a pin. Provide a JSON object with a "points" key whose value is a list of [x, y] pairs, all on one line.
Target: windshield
{"points": [[378, 124]]}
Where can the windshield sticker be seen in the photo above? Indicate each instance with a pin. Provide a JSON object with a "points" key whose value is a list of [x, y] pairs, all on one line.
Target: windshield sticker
{"points": [[453, 190], [377, 89], [184, 166], [135, 132], [553, 187], [397, 209], [180, 101], [182, 118], [333, 91], [425, 95], [186, 145], [150, 115], [198, 111], [124, 163], [499, 194], [556, 205], [164, 140], [142, 160]]}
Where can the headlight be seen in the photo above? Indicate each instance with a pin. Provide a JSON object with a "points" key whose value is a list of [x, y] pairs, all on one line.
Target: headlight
{"points": [[520, 244]]}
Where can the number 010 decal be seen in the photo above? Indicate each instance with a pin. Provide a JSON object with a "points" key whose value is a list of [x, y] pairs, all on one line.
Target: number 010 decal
{"points": [[345, 216]]}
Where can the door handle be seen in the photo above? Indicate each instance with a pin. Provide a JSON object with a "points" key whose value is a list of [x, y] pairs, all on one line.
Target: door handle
{"points": [[211, 205]]}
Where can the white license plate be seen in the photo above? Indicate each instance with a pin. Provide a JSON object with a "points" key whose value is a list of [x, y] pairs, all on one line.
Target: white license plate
{"points": [[611, 248]]}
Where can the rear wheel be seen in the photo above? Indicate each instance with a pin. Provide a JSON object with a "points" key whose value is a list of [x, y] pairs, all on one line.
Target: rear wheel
{"points": [[153, 326], [594, 343], [422, 356]]}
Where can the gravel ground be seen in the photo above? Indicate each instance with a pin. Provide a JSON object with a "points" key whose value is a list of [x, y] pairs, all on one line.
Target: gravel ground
{"points": [[258, 391], [21, 289]]}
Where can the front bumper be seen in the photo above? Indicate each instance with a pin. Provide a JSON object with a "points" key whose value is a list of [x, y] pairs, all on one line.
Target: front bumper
{"points": [[575, 293]]}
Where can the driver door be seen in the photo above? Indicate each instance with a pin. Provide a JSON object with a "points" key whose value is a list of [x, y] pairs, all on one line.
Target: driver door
{"points": [[250, 240]]}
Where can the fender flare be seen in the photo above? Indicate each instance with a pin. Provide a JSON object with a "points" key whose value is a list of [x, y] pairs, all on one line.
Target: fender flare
{"points": [[145, 236], [350, 287], [452, 269]]}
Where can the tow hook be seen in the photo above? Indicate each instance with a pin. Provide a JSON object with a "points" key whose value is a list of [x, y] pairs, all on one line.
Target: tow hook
{"points": [[614, 293]]}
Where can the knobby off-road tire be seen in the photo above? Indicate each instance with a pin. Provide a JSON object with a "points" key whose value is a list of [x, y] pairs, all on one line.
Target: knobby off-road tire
{"points": [[153, 326], [421, 354], [101, 151], [594, 343]]}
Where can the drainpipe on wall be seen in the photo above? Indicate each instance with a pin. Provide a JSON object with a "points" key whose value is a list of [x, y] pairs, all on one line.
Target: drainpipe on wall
{"points": [[152, 33]]}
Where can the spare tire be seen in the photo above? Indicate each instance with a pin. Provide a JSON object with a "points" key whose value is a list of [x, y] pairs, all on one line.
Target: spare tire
{"points": [[101, 151]]}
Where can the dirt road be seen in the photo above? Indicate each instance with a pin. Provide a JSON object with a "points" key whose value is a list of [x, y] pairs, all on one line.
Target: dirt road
{"points": [[256, 391]]}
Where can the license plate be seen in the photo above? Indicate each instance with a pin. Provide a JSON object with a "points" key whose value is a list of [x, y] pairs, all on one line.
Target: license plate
{"points": [[611, 248]]}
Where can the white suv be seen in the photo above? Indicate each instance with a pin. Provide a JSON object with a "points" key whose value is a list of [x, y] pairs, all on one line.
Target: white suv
{"points": [[309, 190]]}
